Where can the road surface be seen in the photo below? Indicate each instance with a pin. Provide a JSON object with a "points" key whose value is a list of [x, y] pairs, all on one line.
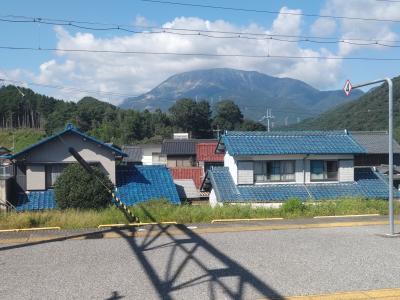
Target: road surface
{"points": [[188, 265]]}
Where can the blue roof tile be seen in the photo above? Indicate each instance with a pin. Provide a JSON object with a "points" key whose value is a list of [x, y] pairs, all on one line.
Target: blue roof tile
{"points": [[367, 184], [137, 184], [300, 142], [36, 200]]}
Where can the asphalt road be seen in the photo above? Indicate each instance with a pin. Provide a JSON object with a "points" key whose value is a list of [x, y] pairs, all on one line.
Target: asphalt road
{"points": [[230, 265]]}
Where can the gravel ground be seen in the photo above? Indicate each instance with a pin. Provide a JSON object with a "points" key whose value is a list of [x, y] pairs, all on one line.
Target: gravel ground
{"points": [[238, 265]]}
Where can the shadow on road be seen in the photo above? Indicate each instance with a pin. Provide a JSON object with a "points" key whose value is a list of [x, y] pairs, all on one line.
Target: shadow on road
{"points": [[228, 281], [167, 284], [115, 296]]}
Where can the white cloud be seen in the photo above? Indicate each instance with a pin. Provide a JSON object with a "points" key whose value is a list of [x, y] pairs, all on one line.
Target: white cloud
{"points": [[370, 9], [323, 27], [135, 74]]}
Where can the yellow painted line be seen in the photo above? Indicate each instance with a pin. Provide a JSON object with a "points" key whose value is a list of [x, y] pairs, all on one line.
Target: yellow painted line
{"points": [[30, 229], [369, 294], [244, 220], [225, 229], [346, 216], [134, 224]]}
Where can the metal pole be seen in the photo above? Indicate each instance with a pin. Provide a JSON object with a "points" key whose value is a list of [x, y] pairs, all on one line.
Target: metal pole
{"points": [[391, 211], [390, 137]]}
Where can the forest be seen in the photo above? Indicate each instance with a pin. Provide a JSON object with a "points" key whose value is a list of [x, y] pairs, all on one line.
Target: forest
{"points": [[35, 112]]}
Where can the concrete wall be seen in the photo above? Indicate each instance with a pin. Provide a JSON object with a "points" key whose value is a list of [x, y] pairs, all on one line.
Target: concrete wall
{"points": [[245, 172], [147, 159], [148, 151], [3, 194], [213, 199], [241, 168], [230, 163], [299, 169], [6, 192], [346, 170], [56, 151], [35, 177]]}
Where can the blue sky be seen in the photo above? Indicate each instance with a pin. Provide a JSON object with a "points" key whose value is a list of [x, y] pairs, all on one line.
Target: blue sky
{"points": [[135, 74]]}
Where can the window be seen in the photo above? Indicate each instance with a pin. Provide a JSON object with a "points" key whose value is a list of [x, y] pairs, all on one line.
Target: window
{"points": [[158, 158], [53, 171], [324, 170], [276, 170]]}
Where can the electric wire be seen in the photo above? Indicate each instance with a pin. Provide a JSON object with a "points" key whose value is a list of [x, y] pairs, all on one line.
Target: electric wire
{"points": [[175, 3], [198, 32], [199, 54]]}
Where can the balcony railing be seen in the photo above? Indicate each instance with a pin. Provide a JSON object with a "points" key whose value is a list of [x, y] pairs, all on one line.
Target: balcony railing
{"points": [[6, 171]]}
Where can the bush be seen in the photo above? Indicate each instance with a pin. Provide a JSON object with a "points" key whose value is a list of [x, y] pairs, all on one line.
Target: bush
{"points": [[75, 188], [293, 206]]}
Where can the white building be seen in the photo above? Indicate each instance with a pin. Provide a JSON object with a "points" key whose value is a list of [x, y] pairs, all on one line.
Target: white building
{"points": [[273, 167]]}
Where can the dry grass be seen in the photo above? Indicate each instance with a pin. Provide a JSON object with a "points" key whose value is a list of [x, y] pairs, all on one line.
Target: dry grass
{"points": [[162, 211]]}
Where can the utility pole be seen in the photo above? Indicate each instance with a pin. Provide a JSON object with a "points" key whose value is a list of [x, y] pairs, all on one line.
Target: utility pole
{"points": [[268, 116], [347, 89]]}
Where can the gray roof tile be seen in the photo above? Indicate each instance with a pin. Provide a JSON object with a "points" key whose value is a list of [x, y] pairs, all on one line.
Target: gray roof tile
{"points": [[182, 147], [374, 142], [135, 153]]}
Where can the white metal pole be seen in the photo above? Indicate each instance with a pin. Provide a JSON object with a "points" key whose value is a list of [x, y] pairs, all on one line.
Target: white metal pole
{"points": [[390, 140], [391, 211]]}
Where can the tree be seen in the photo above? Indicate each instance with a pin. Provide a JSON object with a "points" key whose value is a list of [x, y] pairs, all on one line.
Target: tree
{"points": [[191, 116], [228, 115], [250, 125], [75, 188]]}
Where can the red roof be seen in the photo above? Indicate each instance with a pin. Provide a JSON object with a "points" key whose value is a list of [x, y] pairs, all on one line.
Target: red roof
{"points": [[195, 173], [206, 152]]}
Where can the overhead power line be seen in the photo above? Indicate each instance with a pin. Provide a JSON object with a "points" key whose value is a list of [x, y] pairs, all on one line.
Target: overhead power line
{"points": [[200, 54], [194, 32], [269, 11]]}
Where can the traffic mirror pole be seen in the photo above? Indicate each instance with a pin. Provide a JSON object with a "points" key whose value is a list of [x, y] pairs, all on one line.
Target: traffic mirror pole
{"points": [[348, 87]]}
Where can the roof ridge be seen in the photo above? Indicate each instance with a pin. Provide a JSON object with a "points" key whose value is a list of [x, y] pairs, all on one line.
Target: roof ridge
{"points": [[69, 128], [285, 133], [369, 132]]}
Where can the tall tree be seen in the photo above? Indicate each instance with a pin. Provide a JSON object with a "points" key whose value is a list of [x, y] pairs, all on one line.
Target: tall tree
{"points": [[191, 116], [228, 115]]}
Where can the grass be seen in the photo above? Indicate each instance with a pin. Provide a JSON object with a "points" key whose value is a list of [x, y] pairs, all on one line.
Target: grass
{"points": [[162, 211], [22, 138]]}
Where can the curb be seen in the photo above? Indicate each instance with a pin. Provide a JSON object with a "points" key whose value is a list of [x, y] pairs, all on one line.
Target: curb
{"points": [[31, 229], [346, 216], [244, 220], [134, 224]]}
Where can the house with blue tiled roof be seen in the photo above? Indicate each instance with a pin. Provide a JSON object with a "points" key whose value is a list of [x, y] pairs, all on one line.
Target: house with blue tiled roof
{"points": [[271, 167], [37, 168]]}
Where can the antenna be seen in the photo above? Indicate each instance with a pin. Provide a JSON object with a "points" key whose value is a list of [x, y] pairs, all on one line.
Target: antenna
{"points": [[267, 117]]}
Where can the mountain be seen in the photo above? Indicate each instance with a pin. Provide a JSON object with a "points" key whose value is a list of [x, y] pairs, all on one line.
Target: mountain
{"points": [[252, 91], [369, 112]]}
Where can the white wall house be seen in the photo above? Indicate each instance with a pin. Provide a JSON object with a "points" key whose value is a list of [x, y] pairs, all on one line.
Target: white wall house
{"points": [[38, 166], [290, 169], [273, 167]]}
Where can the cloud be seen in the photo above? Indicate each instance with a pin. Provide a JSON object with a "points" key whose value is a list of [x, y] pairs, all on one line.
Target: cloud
{"points": [[134, 74], [323, 27], [361, 29], [122, 75]]}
